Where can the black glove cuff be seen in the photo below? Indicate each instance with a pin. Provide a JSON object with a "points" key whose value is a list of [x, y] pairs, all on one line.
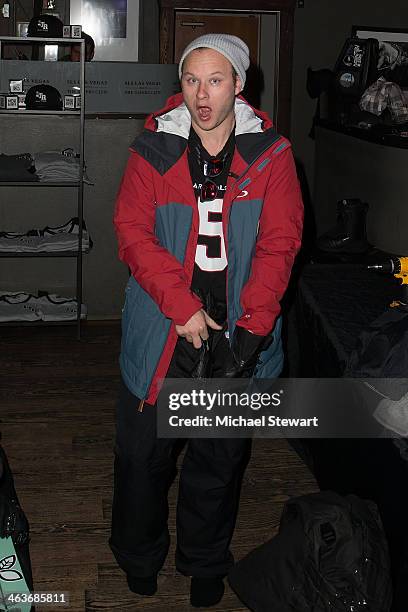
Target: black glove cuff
{"points": [[245, 350], [245, 345]]}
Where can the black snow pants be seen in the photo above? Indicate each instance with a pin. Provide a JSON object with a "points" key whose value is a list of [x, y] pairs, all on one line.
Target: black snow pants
{"points": [[209, 487]]}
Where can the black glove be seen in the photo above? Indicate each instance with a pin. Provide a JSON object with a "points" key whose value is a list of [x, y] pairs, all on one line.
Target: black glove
{"points": [[245, 350], [13, 521]]}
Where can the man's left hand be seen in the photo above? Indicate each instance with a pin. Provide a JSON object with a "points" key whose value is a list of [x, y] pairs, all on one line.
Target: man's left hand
{"points": [[245, 348]]}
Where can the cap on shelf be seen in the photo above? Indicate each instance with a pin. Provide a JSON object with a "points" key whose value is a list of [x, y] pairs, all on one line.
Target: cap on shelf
{"points": [[43, 97], [45, 25]]}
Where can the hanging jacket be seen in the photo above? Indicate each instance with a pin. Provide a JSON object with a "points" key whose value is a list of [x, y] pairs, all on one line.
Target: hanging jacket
{"points": [[157, 221]]}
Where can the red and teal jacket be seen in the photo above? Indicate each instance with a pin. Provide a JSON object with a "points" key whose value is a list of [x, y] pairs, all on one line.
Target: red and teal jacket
{"points": [[157, 221]]}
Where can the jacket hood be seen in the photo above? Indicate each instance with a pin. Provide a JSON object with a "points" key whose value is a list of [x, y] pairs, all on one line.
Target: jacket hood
{"points": [[164, 140], [175, 118]]}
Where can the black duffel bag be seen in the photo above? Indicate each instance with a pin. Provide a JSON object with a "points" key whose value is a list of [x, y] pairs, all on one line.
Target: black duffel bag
{"points": [[330, 555]]}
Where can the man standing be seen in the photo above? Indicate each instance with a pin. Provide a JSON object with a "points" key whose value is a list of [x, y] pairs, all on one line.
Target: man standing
{"points": [[209, 220]]}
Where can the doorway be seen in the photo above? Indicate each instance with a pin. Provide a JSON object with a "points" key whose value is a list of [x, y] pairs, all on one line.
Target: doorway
{"points": [[259, 30]]}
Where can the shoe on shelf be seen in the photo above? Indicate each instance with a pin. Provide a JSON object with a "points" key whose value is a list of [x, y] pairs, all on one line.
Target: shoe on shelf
{"points": [[206, 592], [54, 307], [50, 239], [142, 585], [18, 306]]}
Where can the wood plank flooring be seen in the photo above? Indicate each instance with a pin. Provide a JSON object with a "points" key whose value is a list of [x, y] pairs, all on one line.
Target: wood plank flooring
{"points": [[57, 422]]}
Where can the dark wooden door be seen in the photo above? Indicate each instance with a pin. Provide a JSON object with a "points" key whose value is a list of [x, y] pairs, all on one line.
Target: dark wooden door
{"points": [[173, 36], [190, 25]]}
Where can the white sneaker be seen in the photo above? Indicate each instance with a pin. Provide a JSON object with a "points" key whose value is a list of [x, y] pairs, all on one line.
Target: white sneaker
{"points": [[64, 237], [19, 307], [50, 239], [54, 307], [11, 242]]}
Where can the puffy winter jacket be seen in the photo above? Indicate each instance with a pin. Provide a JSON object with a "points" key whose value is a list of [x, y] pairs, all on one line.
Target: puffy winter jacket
{"points": [[156, 220]]}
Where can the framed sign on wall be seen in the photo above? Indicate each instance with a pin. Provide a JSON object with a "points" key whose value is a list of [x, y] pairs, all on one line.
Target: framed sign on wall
{"points": [[113, 24]]}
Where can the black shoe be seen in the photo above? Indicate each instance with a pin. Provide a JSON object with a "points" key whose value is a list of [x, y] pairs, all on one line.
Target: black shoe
{"points": [[205, 592], [142, 585]]}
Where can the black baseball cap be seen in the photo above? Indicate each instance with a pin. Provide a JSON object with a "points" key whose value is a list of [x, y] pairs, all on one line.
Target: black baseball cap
{"points": [[43, 97], [45, 26]]}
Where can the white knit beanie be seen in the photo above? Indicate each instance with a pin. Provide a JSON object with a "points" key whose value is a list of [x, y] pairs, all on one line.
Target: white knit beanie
{"points": [[232, 47]]}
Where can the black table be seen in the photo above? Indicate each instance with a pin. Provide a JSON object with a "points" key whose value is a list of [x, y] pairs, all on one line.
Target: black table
{"points": [[334, 304]]}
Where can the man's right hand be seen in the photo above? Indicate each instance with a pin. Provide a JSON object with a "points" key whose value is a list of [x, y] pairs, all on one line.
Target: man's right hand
{"points": [[195, 329]]}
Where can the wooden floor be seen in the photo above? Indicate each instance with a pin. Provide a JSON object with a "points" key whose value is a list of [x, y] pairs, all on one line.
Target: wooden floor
{"points": [[57, 424]]}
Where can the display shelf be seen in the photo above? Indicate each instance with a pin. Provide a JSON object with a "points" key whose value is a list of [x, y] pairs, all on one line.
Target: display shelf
{"points": [[39, 184], [38, 39], [24, 111], [79, 185], [44, 254], [37, 323], [389, 136]]}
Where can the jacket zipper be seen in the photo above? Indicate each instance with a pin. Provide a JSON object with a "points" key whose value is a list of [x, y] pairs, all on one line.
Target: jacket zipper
{"points": [[252, 163], [228, 221]]}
